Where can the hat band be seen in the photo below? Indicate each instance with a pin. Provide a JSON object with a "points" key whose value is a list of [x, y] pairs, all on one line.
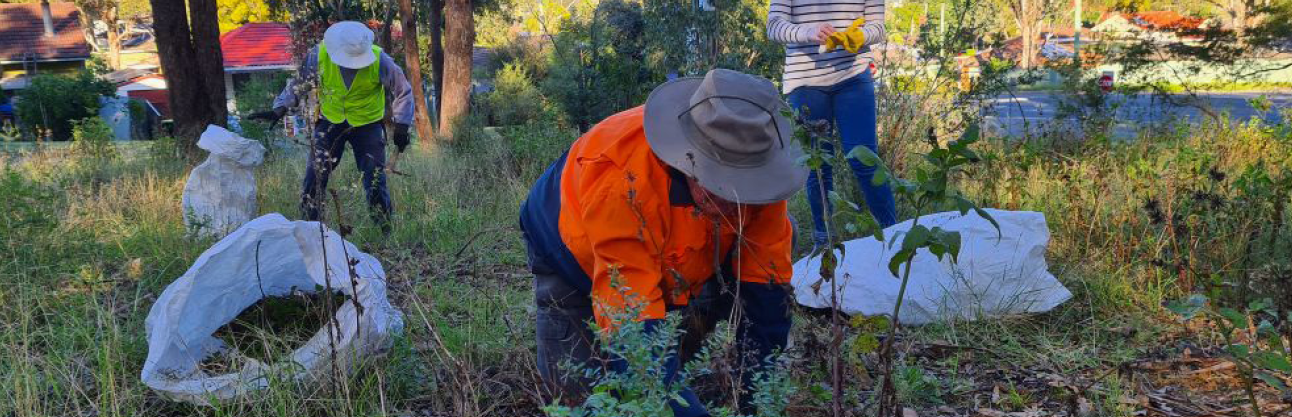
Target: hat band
{"points": [[775, 125]]}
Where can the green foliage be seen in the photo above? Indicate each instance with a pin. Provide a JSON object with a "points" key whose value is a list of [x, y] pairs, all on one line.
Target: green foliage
{"points": [[1252, 340], [514, 100], [92, 137], [535, 144], [597, 64], [235, 13], [639, 389], [52, 102], [687, 40], [257, 94]]}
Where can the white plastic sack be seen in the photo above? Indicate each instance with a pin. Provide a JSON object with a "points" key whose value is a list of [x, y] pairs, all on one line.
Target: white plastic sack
{"points": [[220, 194], [993, 277], [223, 282]]}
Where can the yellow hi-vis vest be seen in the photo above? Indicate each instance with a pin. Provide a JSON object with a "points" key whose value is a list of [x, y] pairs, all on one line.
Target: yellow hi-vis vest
{"points": [[363, 103]]}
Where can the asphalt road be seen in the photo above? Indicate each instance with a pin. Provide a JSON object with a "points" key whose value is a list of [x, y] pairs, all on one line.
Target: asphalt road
{"points": [[1035, 112]]}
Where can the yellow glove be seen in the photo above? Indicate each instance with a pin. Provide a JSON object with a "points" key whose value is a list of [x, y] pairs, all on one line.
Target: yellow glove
{"points": [[850, 39]]}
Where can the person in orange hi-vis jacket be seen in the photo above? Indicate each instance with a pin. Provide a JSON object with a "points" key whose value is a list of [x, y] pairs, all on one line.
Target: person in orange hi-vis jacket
{"points": [[658, 207]]}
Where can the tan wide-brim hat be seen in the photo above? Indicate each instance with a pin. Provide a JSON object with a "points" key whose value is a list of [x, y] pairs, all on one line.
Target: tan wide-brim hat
{"points": [[349, 44], [727, 130]]}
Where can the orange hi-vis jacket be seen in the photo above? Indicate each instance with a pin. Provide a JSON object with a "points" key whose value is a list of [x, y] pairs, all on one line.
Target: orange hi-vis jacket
{"points": [[614, 220]]}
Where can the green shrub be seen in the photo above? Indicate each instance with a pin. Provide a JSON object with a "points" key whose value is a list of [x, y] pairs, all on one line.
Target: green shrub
{"points": [[256, 95], [92, 137], [535, 145], [515, 100], [52, 102], [527, 53]]}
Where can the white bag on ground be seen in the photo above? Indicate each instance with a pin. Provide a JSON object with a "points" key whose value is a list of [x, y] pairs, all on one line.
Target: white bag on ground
{"points": [[220, 194], [223, 282], [993, 277]]}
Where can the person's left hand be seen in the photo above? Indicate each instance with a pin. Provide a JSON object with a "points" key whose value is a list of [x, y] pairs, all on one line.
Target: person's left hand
{"points": [[401, 137]]}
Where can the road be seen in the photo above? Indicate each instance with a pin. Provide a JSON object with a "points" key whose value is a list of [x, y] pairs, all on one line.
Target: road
{"points": [[1034, 112]]}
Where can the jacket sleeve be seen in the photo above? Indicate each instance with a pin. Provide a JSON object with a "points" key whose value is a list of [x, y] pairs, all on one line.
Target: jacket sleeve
{"points": [[766, 246], [779, 27], [401, 92], [624, 223], [302, 83], [874, 27]]}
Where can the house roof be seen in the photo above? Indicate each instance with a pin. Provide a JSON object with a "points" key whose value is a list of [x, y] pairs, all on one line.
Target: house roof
{"points": [[257, 45], [22, 31], [1159, 20], [160, 99]]}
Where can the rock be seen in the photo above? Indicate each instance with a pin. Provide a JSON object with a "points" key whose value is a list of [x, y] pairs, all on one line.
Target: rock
{"points": [[220, 194], [996, 274]]}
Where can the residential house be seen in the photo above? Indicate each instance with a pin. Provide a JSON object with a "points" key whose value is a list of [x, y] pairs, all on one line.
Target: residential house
{"points": [[36, 40], [1155, 26], [255, 50]]}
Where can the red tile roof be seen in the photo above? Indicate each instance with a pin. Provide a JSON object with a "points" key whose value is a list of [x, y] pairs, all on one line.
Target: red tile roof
{"points": [[257, 45], [22, 31], [159, 99], [1159, 20]]}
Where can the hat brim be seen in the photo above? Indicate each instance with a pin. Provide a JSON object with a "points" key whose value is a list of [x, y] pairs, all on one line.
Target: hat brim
{"points": [[351, 62], [776, 180]]}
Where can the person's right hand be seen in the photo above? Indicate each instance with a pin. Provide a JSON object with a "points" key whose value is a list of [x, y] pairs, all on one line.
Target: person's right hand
{"points": [[822, 32], [268, 115]]}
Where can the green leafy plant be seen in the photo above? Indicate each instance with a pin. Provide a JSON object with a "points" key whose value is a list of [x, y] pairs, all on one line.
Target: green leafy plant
{"points": [[515, 100], [92, 137], [929, 189], [52, 102], [1256, 347]]}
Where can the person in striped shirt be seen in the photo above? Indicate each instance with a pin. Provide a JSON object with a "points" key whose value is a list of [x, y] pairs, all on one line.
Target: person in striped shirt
{"points": [[836, 87]]}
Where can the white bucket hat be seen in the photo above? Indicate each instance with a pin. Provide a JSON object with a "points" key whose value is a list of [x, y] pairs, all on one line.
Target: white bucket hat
{"points": [[349, 44]]}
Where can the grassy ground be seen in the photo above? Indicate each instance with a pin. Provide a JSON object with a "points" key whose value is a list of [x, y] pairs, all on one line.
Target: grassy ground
{"points": [[86, 246]]}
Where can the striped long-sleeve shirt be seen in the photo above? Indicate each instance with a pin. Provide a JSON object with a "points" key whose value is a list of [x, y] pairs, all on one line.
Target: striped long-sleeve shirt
{"points": [[795, 22]]}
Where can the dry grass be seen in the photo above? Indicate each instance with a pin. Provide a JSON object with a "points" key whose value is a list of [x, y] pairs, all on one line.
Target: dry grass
{"points": [[86, 247]]}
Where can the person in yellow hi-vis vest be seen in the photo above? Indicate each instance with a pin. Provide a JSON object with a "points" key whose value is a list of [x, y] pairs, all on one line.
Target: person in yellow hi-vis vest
{"points": [[353, 78]]}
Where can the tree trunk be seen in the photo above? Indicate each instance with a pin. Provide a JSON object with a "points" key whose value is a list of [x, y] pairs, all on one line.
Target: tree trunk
{"points": [[114, 38], [437, 57], [459, 38], [412, 60], [192, 64]]}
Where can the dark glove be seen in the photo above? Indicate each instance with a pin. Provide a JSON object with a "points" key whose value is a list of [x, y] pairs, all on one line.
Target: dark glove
{"points": [[401, 137], [268, 115]]}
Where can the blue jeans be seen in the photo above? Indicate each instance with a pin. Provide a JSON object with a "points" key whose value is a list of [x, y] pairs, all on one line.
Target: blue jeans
{"points": [[850, 105]]}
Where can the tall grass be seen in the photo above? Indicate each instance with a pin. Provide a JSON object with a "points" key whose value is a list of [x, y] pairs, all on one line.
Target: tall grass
{"points": [[86, 247]]}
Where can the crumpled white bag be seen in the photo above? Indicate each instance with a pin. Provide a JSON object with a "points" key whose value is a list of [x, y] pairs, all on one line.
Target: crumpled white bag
{"points": [[223, 282], [993, 277], [220, 194]]}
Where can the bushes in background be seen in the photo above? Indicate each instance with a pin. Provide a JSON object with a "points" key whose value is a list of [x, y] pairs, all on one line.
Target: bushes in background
{"points": [[52, 102]]}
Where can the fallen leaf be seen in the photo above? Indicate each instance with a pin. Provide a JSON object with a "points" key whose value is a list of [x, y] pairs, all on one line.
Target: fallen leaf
{"points": [[908, 412], [1084, 408], [987, 412]]}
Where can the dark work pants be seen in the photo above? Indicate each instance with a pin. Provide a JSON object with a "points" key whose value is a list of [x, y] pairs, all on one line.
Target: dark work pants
{"points": [[369, 146]]}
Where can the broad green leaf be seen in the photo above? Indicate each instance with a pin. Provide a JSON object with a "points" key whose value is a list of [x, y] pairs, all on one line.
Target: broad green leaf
{"points": [[1241, 352], [1188, 308], [880, 177], [983, 213], [865, 156], [898, 259], [916, 238], [1236, 319], [1272, 380], [1272, 361]]}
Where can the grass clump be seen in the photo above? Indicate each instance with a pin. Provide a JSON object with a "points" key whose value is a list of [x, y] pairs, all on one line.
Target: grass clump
{"points": [[272, 328]]}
